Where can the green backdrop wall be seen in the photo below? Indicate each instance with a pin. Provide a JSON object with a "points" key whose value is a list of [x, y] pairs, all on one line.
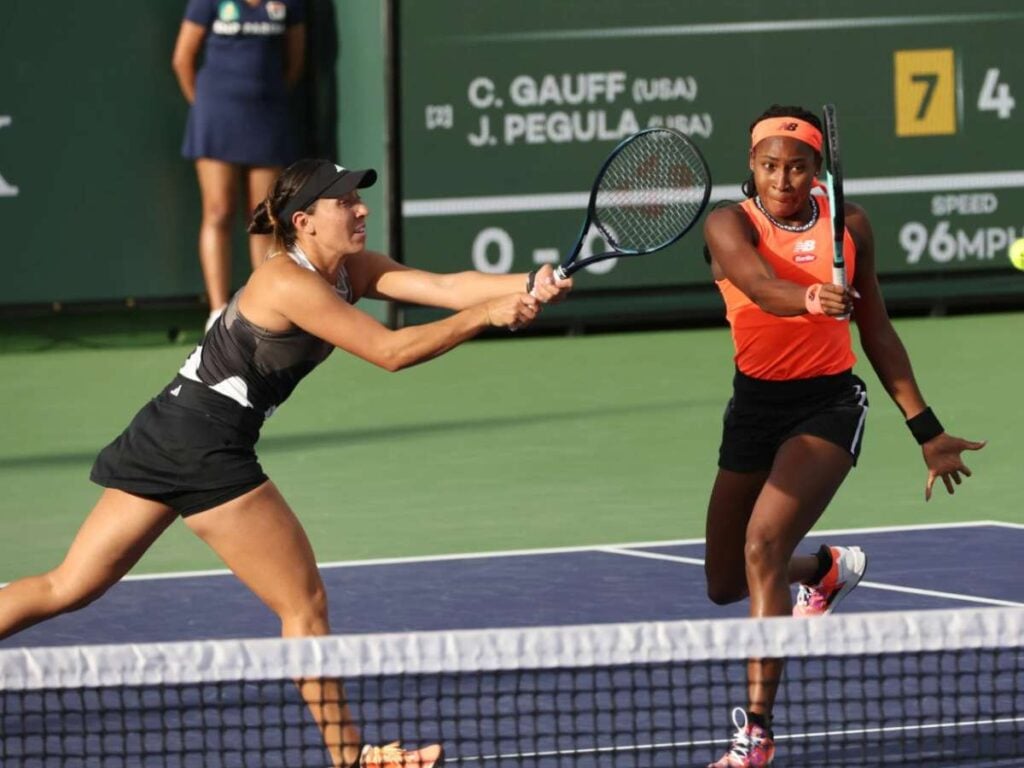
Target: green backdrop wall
{"points": [[104, 205], [490, 106], [96, 203]]}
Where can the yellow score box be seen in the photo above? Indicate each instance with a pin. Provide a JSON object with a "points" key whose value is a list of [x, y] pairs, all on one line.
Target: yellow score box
{"points": [[925, 89]]}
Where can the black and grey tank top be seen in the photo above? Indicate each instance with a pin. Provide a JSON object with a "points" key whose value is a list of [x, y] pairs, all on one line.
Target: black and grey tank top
{"points": [[255, 367]]}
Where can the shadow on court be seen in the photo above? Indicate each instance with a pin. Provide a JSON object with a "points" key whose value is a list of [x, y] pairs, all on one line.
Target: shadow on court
{"points": [[377, 434]]}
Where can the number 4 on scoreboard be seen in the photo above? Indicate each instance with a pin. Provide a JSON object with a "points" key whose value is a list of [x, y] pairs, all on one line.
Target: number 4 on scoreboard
{"points": [[995, 96]]}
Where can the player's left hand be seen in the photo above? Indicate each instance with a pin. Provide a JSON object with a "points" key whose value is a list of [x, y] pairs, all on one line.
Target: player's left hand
{"points": [[942, 456], [547, 288]]}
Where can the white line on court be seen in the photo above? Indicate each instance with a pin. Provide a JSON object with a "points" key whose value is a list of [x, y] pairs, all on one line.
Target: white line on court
{"points": [[651, 555], [575, 201], [743, 27], [1015, 526], [913, 728], [862, 585], [567, 550], [944, 595]]}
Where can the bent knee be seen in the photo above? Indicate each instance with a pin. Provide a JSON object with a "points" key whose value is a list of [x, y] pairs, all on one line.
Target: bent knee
{"points": [[725, 589], [307, 617], [764, 553], [726, 593], [69, 593]]}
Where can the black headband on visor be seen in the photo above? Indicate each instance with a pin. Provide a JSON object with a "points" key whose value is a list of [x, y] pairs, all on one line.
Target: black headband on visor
{"points": [[328, 180]]}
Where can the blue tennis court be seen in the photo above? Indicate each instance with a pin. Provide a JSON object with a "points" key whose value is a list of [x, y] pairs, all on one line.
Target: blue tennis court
{"points": [[910, 568]]}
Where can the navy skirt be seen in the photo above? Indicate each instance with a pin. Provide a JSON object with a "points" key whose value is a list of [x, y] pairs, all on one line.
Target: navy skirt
{"points": [[240, 125]]}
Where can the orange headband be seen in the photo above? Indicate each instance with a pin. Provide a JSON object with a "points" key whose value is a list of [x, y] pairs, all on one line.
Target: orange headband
{"points": [[791, 127]]}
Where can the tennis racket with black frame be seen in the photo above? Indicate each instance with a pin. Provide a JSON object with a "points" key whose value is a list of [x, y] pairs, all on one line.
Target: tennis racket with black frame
{"points": [[649, 192], [834, 189]]}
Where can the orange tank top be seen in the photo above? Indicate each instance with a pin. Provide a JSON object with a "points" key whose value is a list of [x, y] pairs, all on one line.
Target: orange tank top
{"points": [[800, 347]]}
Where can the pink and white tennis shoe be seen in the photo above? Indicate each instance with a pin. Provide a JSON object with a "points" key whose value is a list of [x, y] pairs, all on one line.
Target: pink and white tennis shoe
{"points": [[848, 567], [752, 746]]}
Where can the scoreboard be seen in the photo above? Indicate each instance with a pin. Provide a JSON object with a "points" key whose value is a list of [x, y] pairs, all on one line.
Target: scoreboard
{"points": [[504, 112]]}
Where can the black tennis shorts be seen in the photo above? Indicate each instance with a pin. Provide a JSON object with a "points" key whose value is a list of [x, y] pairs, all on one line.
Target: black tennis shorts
{"points": [[762, 415], [189, 447]]}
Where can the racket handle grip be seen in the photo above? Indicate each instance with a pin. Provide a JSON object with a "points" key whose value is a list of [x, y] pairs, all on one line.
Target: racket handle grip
{"points": [[559, 274], [839, 278]]}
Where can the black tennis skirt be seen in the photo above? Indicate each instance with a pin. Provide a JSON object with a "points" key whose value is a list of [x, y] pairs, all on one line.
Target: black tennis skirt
{"points": [[762, 415], [189, 447]]}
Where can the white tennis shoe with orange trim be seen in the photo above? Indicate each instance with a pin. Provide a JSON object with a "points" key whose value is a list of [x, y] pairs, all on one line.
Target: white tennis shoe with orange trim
{"points": [[848, 567]]}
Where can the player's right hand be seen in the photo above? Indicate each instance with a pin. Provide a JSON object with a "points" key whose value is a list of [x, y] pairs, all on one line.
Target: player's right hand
{"points": [[513, 311], [837, 301], [548, 288]]}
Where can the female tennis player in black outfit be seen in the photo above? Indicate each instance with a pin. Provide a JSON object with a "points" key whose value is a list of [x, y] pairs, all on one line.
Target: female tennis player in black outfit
{"points": [[190, 451]]}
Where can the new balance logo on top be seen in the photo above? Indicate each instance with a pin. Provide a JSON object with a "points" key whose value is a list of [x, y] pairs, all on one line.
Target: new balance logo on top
{"points": [[803, 251]]}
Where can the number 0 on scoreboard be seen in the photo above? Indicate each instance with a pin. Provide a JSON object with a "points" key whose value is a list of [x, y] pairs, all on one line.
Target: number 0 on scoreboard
{"points": [[925, 88]]}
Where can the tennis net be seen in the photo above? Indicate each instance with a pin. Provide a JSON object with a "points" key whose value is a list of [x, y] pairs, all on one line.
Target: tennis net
{"points": [[936, 688]]}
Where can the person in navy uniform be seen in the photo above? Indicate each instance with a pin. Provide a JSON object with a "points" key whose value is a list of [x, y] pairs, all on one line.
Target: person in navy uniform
{"points": [[238, 130]]}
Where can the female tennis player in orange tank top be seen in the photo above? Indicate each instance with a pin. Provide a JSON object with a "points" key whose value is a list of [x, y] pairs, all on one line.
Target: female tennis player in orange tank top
{"points": [[793, 427]]}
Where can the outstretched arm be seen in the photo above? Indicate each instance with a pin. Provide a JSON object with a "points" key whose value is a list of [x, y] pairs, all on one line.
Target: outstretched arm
{"points": [[884, 349], [284, 294], [379, 277]]}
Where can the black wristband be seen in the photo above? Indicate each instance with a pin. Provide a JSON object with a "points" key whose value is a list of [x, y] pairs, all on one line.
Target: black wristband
{"points": [[530, 278], [925, 426]]}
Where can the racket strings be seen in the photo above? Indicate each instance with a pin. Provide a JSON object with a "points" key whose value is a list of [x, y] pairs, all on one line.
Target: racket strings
{"points": [[651, 192]]}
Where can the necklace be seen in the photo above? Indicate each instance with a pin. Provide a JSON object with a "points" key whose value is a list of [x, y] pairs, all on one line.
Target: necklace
{"points": [[299, 257], [789, 227]]}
